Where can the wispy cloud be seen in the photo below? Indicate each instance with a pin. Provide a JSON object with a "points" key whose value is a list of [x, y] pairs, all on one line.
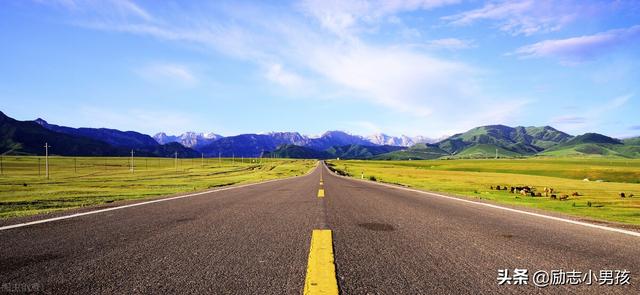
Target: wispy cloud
{"points": [[343, 17], [578, 49], [445, 43], [103, 8], [396, 77], [149, 121], [276, 73], [521, 17], [569, 120], [168, 72], [289, 52], [590, 117]]}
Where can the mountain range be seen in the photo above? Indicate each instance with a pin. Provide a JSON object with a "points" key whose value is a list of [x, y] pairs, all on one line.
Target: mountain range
{"points": [[203, 141], [187, 139], [28, 137]]}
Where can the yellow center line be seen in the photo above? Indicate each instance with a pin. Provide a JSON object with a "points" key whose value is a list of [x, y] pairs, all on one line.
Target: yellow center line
{"points": [[321, 271], [321, 193]]}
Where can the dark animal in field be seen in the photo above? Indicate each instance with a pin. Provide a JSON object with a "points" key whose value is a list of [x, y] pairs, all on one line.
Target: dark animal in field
{"points": [[631, 195], [554, 197], [491, 187], [539, 195], [532, 194], [575, 194], [622, 195], [513, 189], [564, 197], [498, 187]]}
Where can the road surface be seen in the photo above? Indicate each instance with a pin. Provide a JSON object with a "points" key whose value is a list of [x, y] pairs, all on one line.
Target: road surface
{"points": [[256, 240]]}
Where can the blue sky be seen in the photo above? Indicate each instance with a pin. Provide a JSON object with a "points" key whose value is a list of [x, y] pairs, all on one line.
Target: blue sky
{"points": [[414, 67]]}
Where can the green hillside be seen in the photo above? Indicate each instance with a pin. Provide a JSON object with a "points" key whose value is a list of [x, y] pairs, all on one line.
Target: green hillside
{"points": [[292, 151], [516, 141], [632, 141], [594, 144], [28, 137], [485, 151], [356, 151], [419, 151]]}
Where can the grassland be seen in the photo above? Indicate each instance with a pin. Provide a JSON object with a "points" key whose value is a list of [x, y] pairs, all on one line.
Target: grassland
{"points": [[85, 181], [599, 197]]}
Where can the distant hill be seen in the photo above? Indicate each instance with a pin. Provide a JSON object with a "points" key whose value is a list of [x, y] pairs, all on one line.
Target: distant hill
{"points": [[297, 152], [245, 145], [419, 151], [356, 151], [632, 141], [114, 137], [592, 144], [513, 140], [352, 151], [482, 151], [336, 138], [253, 145], [188, 139], [29, 137], [406, 141]]}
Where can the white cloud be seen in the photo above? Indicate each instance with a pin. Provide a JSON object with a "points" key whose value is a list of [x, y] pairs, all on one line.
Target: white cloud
{"points": [[592, 117], [167, 72], [277, 74], [364, 127], [399, 78], [396, 78], [521, 17], [343, 16], [148, 121], [103, 8], [581, 48], [445, 43]]}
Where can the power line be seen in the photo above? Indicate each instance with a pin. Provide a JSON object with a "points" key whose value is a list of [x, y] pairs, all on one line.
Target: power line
{"points": [[131, 161], [46, 158]]}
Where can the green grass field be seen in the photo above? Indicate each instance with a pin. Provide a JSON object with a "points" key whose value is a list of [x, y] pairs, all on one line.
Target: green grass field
{"points": [[599, 197], [85, 181]]}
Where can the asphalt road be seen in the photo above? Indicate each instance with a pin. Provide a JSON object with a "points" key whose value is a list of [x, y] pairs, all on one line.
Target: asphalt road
{"points": [[255, 240]]}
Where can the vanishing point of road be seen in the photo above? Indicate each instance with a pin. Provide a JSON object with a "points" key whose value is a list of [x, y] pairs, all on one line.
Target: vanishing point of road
{"points": [[305, 234]]}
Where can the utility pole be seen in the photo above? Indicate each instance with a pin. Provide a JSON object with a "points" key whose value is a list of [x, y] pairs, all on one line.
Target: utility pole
{"points": [[131, 161], [496, 154], [46, 158], [233, 158], [176, 161], [219, 157]]}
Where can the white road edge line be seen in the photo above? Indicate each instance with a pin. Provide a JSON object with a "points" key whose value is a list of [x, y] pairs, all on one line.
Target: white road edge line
{"points": [[607, 228], [147, 202]]}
